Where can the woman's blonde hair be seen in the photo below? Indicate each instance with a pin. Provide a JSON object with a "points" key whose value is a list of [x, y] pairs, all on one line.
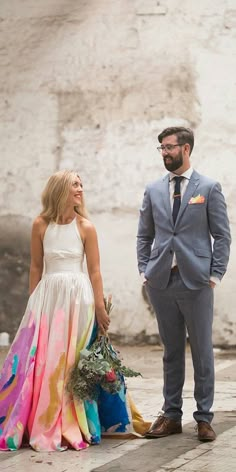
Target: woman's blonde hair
{"points": [[55, 195]]}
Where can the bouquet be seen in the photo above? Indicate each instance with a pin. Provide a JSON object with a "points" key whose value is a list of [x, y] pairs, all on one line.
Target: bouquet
{"points": [[99, 367]]}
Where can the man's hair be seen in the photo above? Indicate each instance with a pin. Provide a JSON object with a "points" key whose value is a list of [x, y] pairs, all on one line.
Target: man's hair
{"points": [[184, 135]]}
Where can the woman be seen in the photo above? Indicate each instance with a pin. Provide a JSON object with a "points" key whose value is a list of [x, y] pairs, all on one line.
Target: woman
{"points": [[57, 324]]}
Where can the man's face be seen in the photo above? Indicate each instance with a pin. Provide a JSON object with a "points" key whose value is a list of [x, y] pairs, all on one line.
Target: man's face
{"points": [[172, 153]]}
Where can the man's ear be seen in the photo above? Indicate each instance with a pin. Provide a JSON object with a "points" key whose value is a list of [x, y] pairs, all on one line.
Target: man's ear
{"points": [[187, 148]]}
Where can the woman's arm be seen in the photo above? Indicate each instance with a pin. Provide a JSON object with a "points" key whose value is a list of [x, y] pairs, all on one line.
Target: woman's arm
{"points": [[89, 236], [36, 264]]}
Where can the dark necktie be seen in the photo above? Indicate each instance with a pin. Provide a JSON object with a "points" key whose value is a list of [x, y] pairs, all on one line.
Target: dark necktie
{"points": [[177, 197]]}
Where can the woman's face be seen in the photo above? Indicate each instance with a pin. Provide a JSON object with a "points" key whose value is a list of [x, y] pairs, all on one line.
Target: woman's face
{"points": [[75, 192]]}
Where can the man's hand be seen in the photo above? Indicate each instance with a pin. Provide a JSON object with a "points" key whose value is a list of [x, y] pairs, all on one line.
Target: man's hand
{"points": [[143, 279], [212, 284]]}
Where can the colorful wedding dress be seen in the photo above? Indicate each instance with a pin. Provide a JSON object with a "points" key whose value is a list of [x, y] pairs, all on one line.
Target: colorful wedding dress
{"points": [[35, 407]]}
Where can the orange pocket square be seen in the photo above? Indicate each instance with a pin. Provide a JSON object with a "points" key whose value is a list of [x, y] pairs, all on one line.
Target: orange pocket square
{"points": [[198, 199]]}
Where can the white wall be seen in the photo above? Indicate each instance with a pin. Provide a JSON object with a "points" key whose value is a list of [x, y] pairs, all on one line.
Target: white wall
{"points": [[90, 84]]}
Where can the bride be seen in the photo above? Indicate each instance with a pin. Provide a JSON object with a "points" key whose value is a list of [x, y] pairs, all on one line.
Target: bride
{"points": [[64, 306]]}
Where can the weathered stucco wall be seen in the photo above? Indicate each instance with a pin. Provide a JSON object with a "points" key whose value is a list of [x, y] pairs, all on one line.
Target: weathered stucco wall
{"points": [[89, 84]]}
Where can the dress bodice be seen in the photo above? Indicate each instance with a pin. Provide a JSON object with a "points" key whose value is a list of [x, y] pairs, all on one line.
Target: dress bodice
{"points": [[63, 248]]}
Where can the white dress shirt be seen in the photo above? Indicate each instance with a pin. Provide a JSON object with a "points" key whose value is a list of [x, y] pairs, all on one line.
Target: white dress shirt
{"points": [[183, 186]]}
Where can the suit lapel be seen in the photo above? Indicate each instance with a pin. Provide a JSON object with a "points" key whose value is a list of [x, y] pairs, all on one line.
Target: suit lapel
{"points": [[192, 185], [165, 193]]}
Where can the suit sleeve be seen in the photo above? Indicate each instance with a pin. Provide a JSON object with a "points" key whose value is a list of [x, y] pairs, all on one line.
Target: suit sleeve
{"points": [[146, 232], [220, 231]]}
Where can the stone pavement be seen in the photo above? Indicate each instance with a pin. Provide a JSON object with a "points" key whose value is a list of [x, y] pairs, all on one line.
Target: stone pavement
{"points": [[182, 452]]}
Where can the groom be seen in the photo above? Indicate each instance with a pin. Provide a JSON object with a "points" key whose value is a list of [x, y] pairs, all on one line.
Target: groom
{"points": [[183, 249]]}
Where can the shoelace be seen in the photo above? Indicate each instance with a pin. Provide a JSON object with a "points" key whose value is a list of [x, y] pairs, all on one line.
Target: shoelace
{"points": [[165, 420], [160, 415]]}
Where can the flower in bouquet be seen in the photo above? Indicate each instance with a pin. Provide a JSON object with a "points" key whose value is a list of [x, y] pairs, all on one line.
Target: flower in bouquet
{"points": [[110, 376], [99, 367]]}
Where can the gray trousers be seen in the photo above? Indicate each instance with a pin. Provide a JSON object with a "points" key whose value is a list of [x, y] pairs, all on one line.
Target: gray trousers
{"points": [[177, 309]]}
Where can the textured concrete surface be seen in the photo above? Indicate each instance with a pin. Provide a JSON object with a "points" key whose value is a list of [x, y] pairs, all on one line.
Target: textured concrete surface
{"points": [[180, 453]]}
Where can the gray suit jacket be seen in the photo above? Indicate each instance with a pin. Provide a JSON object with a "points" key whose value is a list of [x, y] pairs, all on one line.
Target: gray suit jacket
{"points": [[200, 237]]}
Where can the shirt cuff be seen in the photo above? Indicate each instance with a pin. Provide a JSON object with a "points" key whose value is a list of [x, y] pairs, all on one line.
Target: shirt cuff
{"points": [[215, 280]]}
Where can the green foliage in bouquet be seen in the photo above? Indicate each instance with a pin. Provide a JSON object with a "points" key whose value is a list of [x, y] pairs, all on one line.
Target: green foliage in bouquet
{"points": [[98, 366]]}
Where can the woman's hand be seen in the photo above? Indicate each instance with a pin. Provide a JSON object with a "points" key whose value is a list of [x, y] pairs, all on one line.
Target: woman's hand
{"points": [[103, 319]]}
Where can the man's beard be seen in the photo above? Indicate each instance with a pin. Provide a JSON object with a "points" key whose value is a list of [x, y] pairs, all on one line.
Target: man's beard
{"points": [[175, 162]]}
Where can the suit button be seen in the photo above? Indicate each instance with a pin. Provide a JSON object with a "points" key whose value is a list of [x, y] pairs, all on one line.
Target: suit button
{"points": [[175, 234], [171, 252]]}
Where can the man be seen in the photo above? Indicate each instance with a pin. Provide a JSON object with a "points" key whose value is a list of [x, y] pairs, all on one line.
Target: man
{"points": [[183, 249]]}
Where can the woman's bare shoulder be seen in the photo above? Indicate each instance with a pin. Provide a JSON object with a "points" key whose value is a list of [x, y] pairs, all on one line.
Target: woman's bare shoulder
{"points": [[39, 222], [84, 222], [39, 227], [86, 227]]}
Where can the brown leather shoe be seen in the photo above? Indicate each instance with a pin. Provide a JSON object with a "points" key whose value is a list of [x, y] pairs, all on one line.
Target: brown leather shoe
{"points": [[205, 431], [162, 427], [158, 421]]}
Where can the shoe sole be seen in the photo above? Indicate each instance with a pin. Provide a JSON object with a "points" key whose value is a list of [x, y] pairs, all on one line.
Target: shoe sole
{"points": [[206, 439], [152, 436]]}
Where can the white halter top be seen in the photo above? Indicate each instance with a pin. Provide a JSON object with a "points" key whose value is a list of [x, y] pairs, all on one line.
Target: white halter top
{"points": [[63, 248]]}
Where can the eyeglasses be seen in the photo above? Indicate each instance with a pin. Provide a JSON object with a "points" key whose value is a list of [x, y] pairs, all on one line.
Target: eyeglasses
{"points": [[167, 147]]}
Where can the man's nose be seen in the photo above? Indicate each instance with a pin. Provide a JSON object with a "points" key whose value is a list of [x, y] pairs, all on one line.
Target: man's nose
{"points": [[164, 151]]}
